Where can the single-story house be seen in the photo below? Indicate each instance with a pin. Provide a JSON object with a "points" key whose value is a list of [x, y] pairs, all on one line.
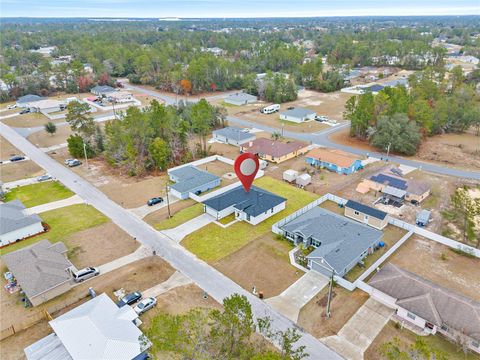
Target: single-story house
{"points": [[120, 96], [102, 90], [414, 190], [42, 270], [380, 181], [275, 150], [340, 242], [45, 106], [96, 329], [189, 179], [233, 135], [417, 190], [253, 206], [423, 217], [394, 194], [22, 101], [298, 115], [428, 306], [16, 224], [334, 160], [240, 99], [366, 214]]}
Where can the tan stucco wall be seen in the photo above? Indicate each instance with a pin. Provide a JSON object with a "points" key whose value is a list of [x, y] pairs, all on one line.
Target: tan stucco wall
{"points": [[418, 198], [374, 222]]}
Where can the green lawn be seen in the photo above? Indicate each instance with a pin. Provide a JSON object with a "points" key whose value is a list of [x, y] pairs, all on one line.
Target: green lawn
{"points": [[63, 222], [212, 243], [40, 193], [180, 217], [227, 219]]}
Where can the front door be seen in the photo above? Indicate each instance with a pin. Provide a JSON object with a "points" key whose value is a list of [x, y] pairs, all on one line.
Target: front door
{"points": [[365, 219]]}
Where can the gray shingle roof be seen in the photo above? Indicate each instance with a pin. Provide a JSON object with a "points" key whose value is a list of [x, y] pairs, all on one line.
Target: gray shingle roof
{"points": [[298, 112], [343, 240], [253, 203], [234, 133], [430, 301], [366, 209], [28, 98], [241, 97], [13, 217], [103, 89], [39, 267], [191, 178]]}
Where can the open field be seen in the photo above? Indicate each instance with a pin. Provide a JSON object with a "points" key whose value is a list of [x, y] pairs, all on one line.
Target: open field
{"points": [[19, 170], [7, 149], [180, 217], [29, 120], [259, 264], [389, 332], [343, 306], [40, 193], [212, 243], [451, 270], [43, 139]]}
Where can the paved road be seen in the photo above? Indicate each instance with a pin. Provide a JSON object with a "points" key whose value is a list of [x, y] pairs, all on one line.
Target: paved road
{"points": [[206, 277]]}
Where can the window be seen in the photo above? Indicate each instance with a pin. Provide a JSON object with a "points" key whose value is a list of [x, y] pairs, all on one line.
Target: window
{"points": [[271, 210], [357, 213], [315, 243], [411, 316]]}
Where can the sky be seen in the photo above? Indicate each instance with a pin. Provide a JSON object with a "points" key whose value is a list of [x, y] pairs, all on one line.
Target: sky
{"points": [[234, 8]]}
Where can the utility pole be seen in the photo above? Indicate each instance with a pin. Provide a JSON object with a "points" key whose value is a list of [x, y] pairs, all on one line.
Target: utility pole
{"points": [[168, 201], [85, 153], [388, 150], [113, 105], [283, 125], [329, 300]]}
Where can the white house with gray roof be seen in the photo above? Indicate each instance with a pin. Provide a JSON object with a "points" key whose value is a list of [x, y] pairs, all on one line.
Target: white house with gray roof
{"points": [[190, 179], [42, 270], [340, 243], [427, 306], [16, 224], [25, 100], [298, 115], [233, 135], [97, 329], [253, 207], [240, 99]]}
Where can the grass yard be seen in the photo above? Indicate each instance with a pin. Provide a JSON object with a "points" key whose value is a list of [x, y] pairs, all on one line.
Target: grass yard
{"points": [[227, 219], [63, 222], [180, 217], [41, 193], [212, 243]]}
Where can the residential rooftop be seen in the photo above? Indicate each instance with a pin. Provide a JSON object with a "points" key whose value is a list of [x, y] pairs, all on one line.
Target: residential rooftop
{"points": [[14, 217], [241, 97], [190, 177], [333, 156], [235, 133], [298, 112], [253, 203], [428, 300], [378, 214], [274, 148], [102, 89], [28, 98]]}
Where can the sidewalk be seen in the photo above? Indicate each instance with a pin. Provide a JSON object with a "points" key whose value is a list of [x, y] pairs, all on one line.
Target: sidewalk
{"points": [[22, 182], [72, 200]]}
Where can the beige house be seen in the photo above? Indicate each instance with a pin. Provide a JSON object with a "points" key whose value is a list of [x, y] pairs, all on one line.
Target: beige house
{"points": [[366, 214], [274, 150], [42, 270]]}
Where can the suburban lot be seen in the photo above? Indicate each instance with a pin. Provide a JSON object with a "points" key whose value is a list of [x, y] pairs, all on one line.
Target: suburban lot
{"points": [[40, 193], [441, 265], [7, 149], [19, 170], [212, 243], [43, 139], [28, 120], [389, 332], [182, 211], [343, 306]]}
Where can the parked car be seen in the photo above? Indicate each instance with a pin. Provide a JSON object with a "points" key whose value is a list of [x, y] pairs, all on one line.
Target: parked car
{"points": [[145, 305], [291, 108], [321, 118], [10, 107], [130, 299], [44, 177], [67, 161], [74, 163], [155, 201], [84, 274], [17, 158], [198, 192], [24, 111], [270, 109]]}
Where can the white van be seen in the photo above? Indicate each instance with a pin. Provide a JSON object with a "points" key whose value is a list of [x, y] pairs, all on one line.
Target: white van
{"points": [[271, 109]]}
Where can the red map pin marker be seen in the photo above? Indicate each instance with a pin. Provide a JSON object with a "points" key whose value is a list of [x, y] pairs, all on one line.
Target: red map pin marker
{"points": [[246, 167]]}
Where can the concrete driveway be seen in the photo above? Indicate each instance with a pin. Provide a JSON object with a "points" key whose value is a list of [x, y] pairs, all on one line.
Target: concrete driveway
{"points": [[144, 210], [22, 182], [176, 280], [291, 301], [72, 200], [359, 332], [177, 234]]}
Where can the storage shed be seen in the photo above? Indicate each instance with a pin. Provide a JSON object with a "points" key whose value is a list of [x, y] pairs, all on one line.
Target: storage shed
{"points": [[423, 217], [303, 180], [290, 175], [366, 214]]}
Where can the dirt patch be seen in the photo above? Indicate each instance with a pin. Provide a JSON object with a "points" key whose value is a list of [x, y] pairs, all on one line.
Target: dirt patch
{"points": [[451, 270], [162, 214], [12, 347], [260, 264], [19, 170], [29, 120], [343, 306], [343, 137], [99, 245], [7, 149], [43, 139]]}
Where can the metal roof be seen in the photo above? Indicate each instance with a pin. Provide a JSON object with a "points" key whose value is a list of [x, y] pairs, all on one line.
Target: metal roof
{"points": [[191, 178], [366, 209], [253, 203], [99, 329], [39, 267], [398, 193], [48, 348], [102, 89], [235, 133], [298, 112], [389, 180], [424, 216], [342, 240], [430, 301], [13, 217]]}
